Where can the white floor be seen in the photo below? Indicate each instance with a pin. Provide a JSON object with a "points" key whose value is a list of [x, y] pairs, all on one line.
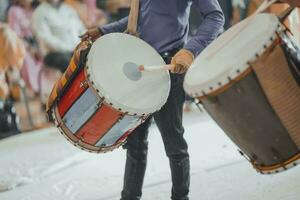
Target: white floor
{"points": [[42, 165]]}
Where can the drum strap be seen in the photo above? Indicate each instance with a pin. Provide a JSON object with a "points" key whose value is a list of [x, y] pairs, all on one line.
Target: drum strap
{"points": [[281, 89], [133, 18]]}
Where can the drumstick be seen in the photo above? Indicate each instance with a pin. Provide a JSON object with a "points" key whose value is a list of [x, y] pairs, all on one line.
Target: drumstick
{"points": [[155, 68]]}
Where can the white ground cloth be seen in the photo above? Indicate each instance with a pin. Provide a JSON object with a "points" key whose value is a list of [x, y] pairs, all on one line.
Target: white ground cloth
{"points": [[42, 165]]}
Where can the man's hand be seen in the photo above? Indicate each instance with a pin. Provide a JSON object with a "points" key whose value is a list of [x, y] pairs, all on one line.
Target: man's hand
{"points": [[92, 34], [182, 61], [295, 3], [80, 47]]}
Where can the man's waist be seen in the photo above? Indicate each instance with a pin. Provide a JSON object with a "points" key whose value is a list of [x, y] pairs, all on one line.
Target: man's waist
{"points": [[167, 55]]}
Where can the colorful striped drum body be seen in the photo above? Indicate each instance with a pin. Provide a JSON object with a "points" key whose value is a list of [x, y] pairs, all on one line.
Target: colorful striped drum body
{"points": [[96, 105]]}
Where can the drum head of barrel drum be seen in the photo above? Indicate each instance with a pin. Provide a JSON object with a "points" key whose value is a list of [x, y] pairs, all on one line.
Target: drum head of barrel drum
{"points": [[112, 67], [229, 56]]}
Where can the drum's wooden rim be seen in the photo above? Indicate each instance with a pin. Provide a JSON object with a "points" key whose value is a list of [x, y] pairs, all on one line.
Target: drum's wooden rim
{"points": [[292, 162], [226, 86], [65, 131]]}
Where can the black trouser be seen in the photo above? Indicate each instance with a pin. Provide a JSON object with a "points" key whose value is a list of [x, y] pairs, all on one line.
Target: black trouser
{"points": [[169, 122], [58, 60]]}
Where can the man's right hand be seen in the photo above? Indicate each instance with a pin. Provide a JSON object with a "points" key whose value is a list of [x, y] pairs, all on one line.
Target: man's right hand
{"points": [[92, 34]]}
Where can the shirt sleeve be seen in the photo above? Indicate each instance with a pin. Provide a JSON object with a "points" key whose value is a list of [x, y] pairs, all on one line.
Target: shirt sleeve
{"points": [[43, 32], [210, 28], [115, 27]]}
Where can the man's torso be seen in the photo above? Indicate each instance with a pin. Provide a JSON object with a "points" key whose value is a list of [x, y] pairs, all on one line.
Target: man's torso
{"points": [[164, 23]]}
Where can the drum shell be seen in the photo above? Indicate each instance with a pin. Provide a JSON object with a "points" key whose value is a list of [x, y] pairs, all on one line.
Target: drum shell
{"points": [[246, 116], [88, 121]]}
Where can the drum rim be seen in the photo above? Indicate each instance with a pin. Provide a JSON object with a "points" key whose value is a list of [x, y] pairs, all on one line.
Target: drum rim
{"points": [[273, 169], [123, 108], [224, 82], [65, 131]]}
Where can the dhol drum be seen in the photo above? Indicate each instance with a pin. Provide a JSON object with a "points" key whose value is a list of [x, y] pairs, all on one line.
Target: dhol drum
{"points": [[98, 104], [246, 83]]}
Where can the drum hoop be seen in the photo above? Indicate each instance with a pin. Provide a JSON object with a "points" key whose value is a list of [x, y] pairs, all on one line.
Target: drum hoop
{"points": [[278, 167], [120, 107], [225, 82], [227, 86], [65, 131], [241, 76]]}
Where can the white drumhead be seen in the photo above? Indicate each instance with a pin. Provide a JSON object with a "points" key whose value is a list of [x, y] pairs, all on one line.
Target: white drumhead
{"points": [[219, 63], [112, 65]]}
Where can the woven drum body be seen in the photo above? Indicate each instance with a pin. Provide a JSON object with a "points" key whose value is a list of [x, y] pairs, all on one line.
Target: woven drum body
{"points": [[96, 106], [247, 85]]}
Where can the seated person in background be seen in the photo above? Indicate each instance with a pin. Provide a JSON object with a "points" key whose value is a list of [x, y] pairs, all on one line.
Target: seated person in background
{"points": [[19, 20], [57, 27], [3, 8], [88, 12], [117, 9]]}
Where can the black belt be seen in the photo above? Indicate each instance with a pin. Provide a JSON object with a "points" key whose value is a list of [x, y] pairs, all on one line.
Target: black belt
{"points": [[170, 53]]}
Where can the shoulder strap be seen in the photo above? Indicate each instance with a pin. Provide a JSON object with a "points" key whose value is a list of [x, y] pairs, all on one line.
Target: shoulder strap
{"points": [[133, 17]]}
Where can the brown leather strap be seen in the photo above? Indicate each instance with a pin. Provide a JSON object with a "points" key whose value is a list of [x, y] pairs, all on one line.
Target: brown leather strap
{"points": [[133, 18]]}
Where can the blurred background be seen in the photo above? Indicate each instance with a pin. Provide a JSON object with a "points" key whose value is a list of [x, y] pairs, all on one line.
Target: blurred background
{"points": [[24, 89], [47, 37]]}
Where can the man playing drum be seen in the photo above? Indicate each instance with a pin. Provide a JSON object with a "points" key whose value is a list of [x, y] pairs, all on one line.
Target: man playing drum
{"points": [[164, 25]]}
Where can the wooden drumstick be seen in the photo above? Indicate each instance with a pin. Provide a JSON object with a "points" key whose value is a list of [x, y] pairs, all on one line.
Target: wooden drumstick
{"points": [[155, 68]]}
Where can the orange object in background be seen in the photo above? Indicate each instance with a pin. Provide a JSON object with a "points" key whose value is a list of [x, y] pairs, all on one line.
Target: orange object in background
{"points": [[12, 51]]}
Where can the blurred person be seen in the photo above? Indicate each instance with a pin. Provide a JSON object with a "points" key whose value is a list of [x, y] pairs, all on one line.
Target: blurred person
{"points": [[57, 27], [88, 12], [3, 9], [94, 13], [12, 53], [163, 24], [19, 19], [117, 9]]}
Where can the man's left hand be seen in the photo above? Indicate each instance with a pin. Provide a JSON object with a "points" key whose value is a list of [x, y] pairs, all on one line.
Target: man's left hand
{"points": [[182, 61]]}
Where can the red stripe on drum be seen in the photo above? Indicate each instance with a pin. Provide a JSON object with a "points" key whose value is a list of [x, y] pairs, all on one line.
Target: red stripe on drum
{"points": [[76, 88], [98, 125]]}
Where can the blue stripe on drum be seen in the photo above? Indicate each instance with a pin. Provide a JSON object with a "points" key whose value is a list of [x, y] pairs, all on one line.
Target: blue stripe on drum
{"points": [[81, 110], [118, 130]]}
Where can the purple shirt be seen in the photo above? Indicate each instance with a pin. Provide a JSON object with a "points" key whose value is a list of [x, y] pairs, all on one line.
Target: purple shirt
{"points": [[164, 24]]}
